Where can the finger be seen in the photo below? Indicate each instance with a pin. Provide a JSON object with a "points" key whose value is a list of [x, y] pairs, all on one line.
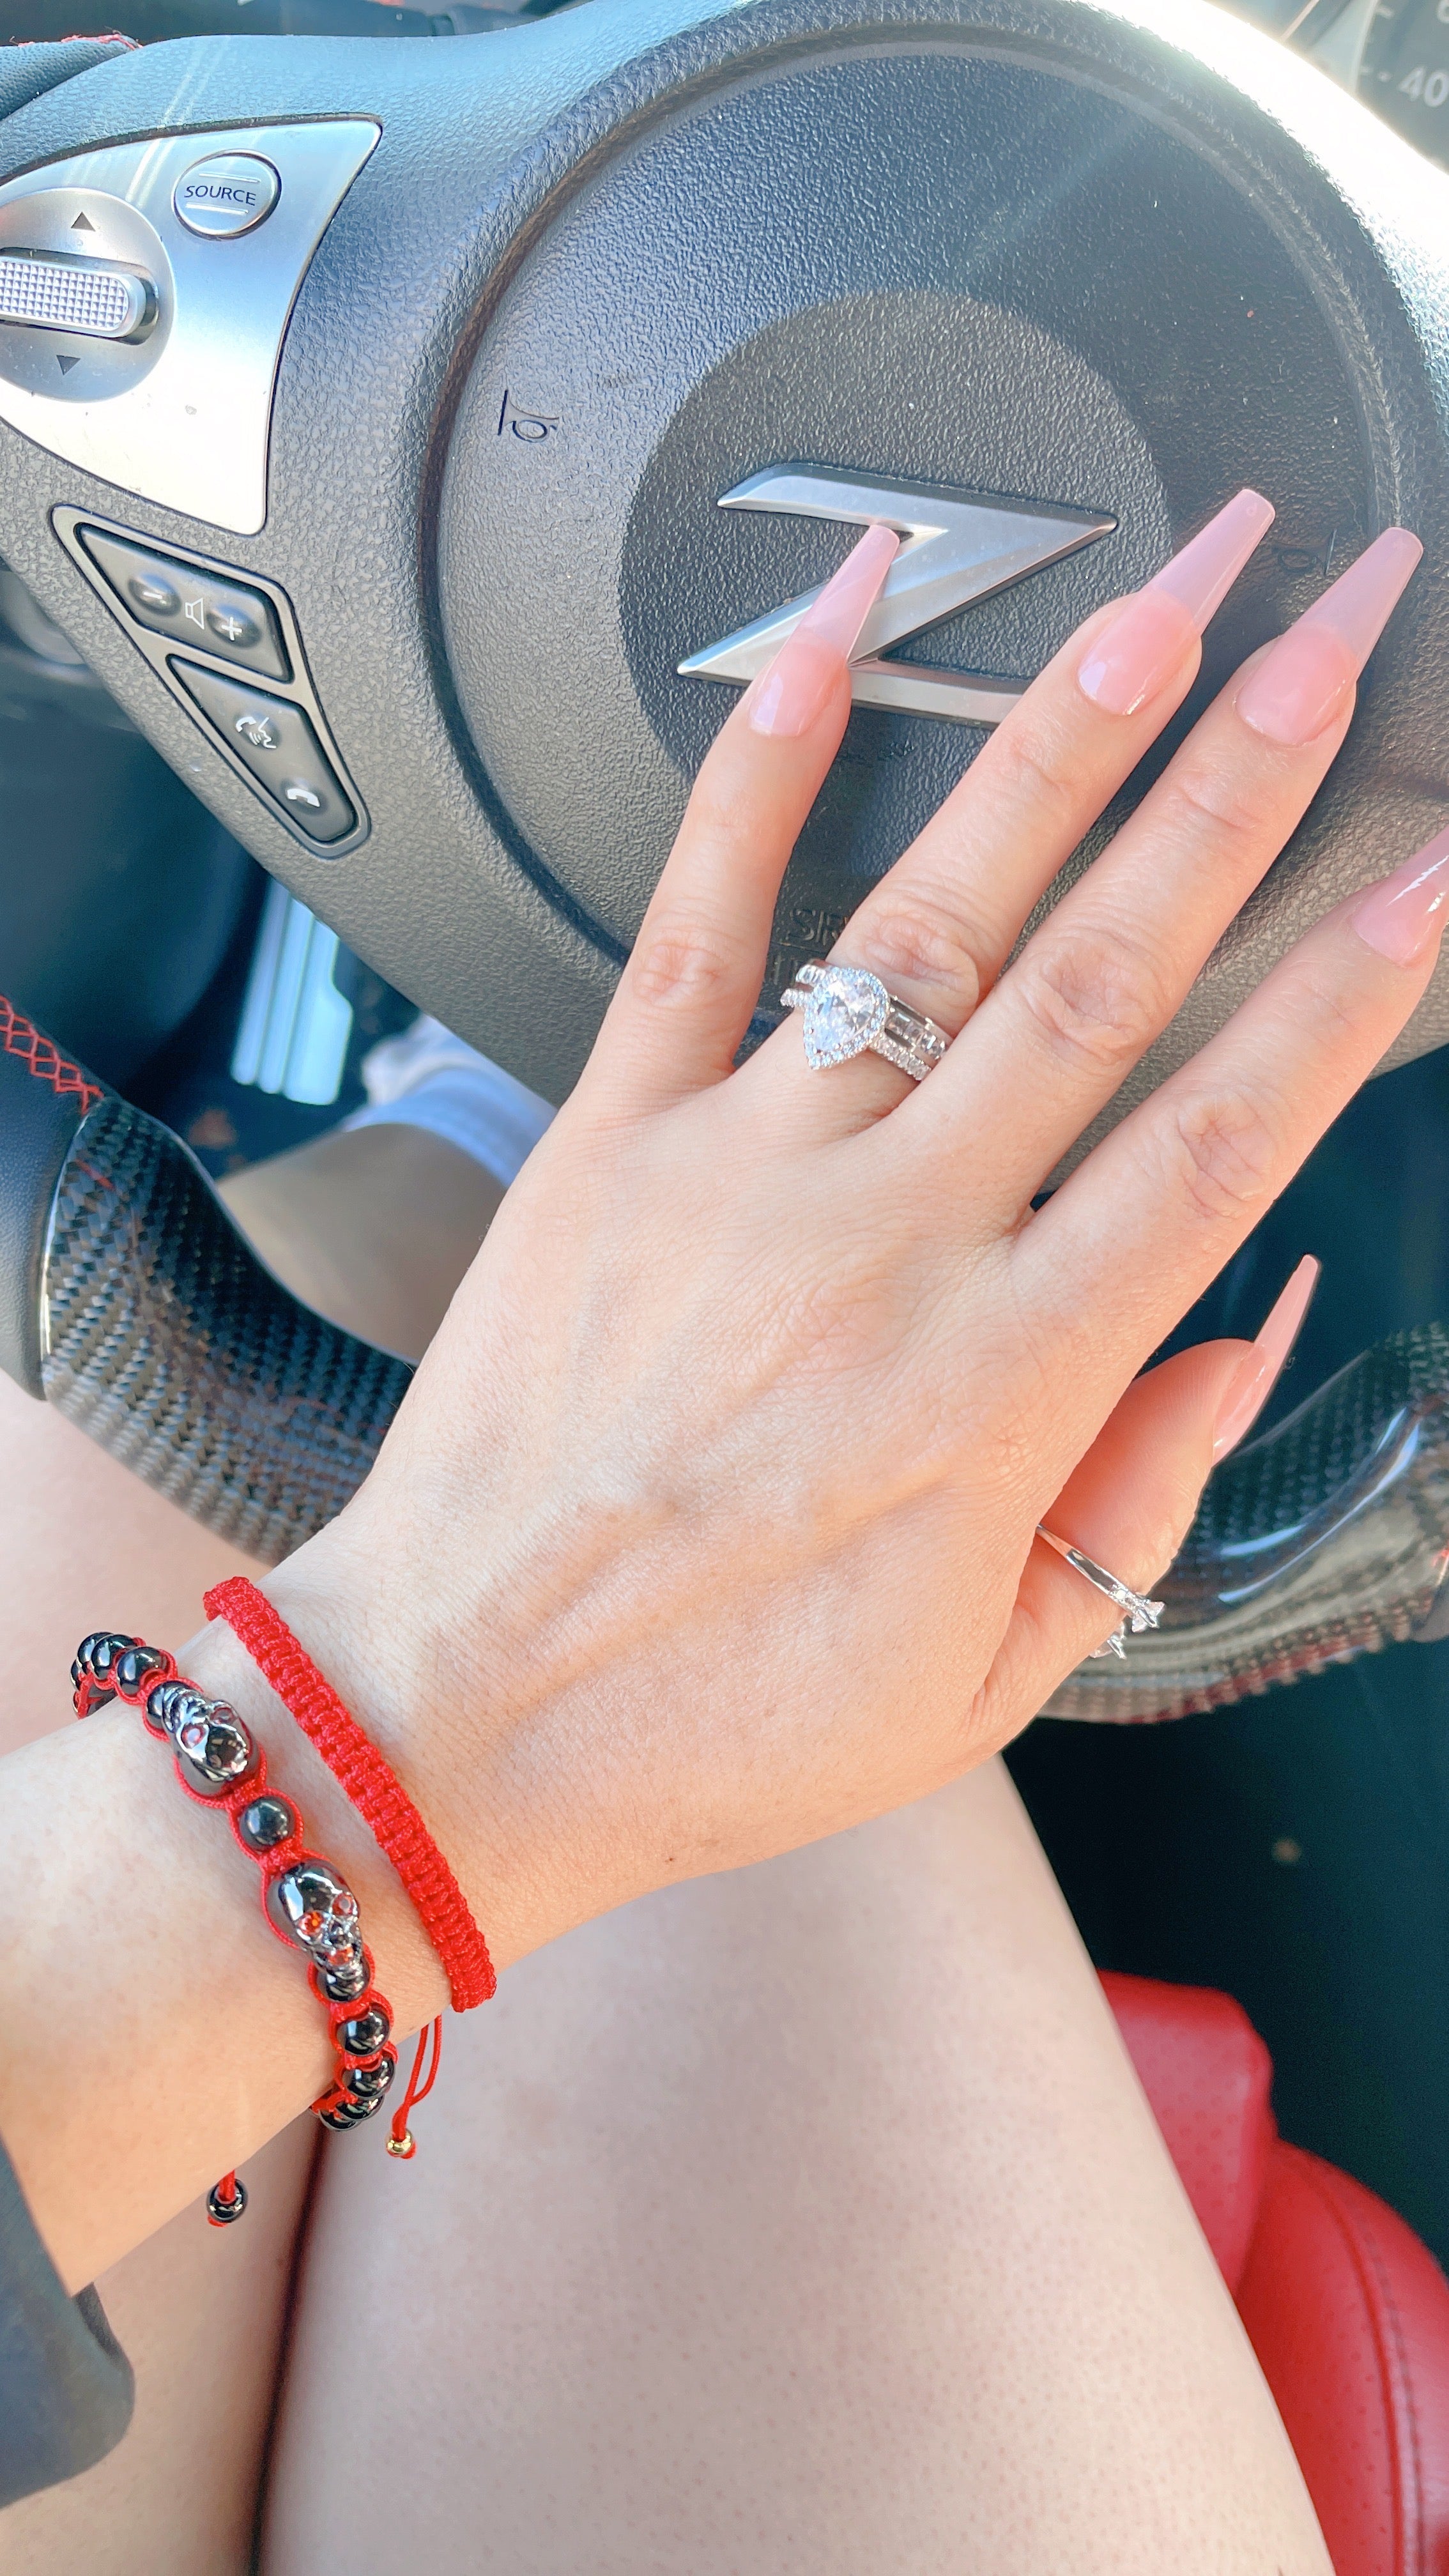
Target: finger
{"points": [[1116, 959], [1132, 1239], [1129, 1503], [693, 976], [939, 927]]}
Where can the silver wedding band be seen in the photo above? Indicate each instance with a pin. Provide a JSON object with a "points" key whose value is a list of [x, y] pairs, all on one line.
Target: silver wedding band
{"points": [[847, 1010], [1139, 1613]]}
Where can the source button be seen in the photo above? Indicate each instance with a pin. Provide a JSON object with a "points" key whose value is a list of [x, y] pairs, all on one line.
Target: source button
{"points": [[230, 193]]}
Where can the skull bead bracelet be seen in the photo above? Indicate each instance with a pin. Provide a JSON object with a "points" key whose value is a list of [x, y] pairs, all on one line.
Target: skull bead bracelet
{"points": [[305, 1900]]}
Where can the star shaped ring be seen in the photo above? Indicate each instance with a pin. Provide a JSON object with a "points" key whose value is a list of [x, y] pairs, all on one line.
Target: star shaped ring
{"points": [[848, 1010]]}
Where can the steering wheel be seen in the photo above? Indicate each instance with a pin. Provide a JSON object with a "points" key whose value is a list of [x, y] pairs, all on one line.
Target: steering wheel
{"points": [[423, 441]]}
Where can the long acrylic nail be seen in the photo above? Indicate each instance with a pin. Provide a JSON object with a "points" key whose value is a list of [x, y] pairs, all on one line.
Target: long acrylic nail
{"points": [[1400, 915], [1137, 654], [1306, 678], [787, 698], [1261, 1370]]}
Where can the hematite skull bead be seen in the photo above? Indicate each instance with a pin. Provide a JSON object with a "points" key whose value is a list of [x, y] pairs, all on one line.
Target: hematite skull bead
{"points": [[316, 1908], [171, 1704], [213, 1749]]}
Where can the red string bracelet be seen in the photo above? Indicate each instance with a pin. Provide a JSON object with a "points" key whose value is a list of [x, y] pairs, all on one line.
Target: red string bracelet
{"points": [[383, 1803], [306, 1902]]}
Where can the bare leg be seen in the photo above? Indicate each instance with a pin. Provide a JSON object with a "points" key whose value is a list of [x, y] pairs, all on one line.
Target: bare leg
{"points": [[199, 2309], [84, 1545], [374, 1226], [804, 2220]]}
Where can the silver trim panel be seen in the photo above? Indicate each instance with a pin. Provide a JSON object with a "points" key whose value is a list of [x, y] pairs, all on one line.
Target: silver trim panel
{"points": [[185, 417], [956, 548]]}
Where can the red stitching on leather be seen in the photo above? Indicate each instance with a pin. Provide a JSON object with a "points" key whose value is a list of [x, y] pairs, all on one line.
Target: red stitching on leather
{"points": [[39, 1055]]}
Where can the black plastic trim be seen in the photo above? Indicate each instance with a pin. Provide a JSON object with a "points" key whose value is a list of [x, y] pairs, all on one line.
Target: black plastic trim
{"points": [[157, 648]]}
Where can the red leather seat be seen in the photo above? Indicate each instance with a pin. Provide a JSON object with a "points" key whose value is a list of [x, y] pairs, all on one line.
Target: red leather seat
{"points": [[1347, 2311]]}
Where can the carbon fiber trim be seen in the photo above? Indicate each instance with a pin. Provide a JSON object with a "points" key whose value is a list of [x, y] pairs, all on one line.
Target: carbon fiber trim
{"points": [[1328, 1538], [167, 1341]]}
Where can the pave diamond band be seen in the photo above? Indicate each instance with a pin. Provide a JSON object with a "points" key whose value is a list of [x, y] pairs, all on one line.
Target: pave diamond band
{"points": [[1139, 1613], [848, 1010]]}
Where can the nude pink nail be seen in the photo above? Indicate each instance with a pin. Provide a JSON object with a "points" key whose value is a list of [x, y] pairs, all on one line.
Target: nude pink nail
{"points": [[1261, 1370], [1400, 915], [1306, 678], [1137, 654], [787, 698]]}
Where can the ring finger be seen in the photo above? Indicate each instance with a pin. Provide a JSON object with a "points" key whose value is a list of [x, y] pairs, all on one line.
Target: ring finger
{"points": [[940, 925]]}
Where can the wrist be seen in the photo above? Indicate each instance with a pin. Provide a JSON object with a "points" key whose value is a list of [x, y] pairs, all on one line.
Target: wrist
{"points": [[341, 1602], [406, 1966]]}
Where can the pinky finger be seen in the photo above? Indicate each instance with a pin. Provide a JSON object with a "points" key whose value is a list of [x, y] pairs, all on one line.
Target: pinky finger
{"points": [[1129, 1503]]}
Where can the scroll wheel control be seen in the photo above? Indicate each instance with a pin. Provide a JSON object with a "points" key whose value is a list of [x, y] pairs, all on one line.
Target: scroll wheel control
{"points": [[60, 291]]}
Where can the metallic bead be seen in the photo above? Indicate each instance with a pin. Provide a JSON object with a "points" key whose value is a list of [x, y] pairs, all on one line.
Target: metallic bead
{"points": [[349, 1978], [267, 1822], [214, 1751], [365, 2083], [130, 1669], [95, 1655], [349, 2115], [365, 2033], [222, 2212], [354, 2112], [316, 1908]]}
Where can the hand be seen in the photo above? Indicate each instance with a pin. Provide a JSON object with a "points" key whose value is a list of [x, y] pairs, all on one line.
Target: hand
{"points": [[707, 1527]]}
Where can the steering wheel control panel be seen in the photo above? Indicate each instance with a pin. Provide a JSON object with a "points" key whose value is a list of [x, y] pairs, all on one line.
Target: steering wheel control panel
{"points": [[226, 644], [144, 293]]}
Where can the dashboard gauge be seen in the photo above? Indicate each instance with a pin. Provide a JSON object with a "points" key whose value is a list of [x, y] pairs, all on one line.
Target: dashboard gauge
{"points": [[1404, 71]]}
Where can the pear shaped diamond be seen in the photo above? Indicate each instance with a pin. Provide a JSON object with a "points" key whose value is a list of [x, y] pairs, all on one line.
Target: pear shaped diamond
{"points": [[844, 1011]]}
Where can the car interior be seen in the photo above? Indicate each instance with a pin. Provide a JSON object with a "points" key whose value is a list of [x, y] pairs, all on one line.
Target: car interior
{"points": [[415, 426]]}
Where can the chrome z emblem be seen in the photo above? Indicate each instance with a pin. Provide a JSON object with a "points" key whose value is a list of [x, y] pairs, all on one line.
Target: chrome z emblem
{"points": [[956, 548]]}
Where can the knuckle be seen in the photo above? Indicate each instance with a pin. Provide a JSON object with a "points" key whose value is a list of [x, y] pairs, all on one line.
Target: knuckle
{"points": [[1093, 994], [1221, 1153], [1035, 767], [914, 940], [1211, 803], [684, 963], [1335, 1011]]}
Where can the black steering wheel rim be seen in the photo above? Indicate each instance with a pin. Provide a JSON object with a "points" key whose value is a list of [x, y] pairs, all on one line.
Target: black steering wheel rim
{"points": [[491, 148]]}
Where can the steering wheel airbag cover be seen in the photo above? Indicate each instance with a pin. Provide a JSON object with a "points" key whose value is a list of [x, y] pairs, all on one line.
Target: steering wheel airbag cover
{"points": [[600, 270]]}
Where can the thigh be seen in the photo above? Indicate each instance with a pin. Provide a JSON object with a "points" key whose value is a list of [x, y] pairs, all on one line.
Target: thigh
{"points": [[805, 2220], [83, 1544], [199, 2310]]}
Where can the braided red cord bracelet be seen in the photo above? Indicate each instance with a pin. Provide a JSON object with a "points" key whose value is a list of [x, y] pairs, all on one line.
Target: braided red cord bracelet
{"points": [[370, 1782]]}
